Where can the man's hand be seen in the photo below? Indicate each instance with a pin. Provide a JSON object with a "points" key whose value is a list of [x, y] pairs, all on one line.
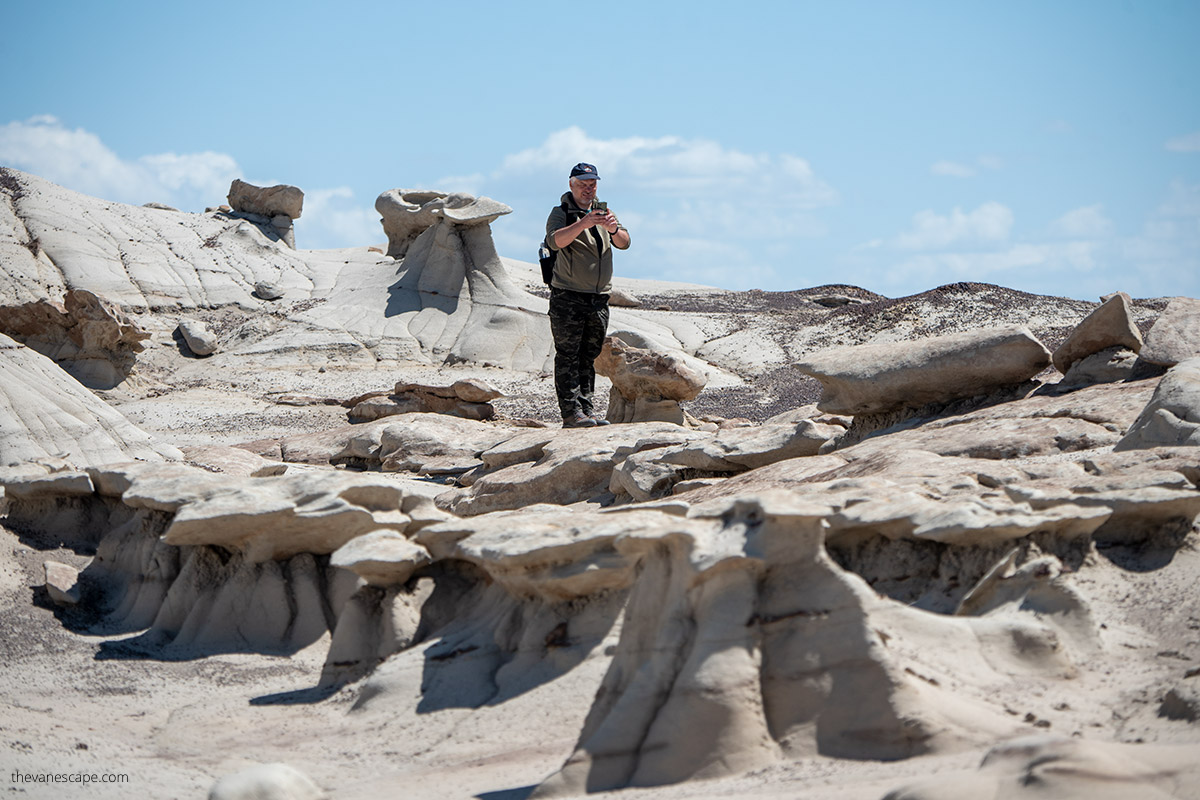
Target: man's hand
{"points": [[597, 217]]}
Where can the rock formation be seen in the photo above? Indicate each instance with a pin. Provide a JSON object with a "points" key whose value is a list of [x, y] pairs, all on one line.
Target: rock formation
{"points": [[1175, 336], [646, 386], [469, 399], [280, 206], [873, 379], [977, 556], [88, 336]]}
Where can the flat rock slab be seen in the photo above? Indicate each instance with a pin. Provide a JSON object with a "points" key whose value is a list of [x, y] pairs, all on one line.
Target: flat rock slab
{"points": [[877, 378], [1175, 336]]}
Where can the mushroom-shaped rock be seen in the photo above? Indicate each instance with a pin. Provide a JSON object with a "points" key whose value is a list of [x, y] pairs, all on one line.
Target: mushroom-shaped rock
{"points": [[406, 214], [381, 558], [1172, 417], [642, 380], [1175, 336], [1110, 325], [877, 378], [269, 201]]}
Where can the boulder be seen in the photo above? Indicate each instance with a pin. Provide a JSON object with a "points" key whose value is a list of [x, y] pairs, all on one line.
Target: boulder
{"points": [[1172, 417], [198, 337], [1110, 325], [269, 201], [381, 558], [1175, 335], [646, 386], [62, 583], [266, 290], [878, 378]]}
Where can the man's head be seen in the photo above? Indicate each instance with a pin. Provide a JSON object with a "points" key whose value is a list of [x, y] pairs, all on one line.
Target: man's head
{"points": [[583, 184]]}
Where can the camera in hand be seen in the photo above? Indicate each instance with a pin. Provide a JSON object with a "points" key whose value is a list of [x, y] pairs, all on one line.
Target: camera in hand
{"points": [[600, 205]]}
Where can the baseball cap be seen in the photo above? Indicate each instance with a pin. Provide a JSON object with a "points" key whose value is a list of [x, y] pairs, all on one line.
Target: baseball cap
{"points": [[585, 172]]}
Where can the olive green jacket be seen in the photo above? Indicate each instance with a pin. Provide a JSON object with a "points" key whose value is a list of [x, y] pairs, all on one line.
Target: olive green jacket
{"points": [[584, 265]]}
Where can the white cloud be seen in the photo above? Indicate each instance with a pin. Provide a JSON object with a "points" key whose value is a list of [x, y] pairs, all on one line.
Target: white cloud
{"points": [[1189, 143], [955, 169], [332, 219], [79, 160], [952, 169], [1088, 222], [990, 223], [675, 166]]}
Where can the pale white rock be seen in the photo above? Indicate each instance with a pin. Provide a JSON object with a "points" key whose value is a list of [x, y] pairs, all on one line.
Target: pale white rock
{"points": [[268, 201], [1066, 769], [199, 337], [266, 782], [571, 466], [381, 558], [62, 583], [1175, 336], [1110, 325], [266, 290], [1172, 417], [872, 379], [277, 517], [622, 298], [45, 413]]}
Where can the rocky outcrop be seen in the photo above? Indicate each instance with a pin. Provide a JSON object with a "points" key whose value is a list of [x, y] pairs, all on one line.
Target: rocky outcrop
{"points": [[1172, 417], [646, 386], [1110, 325], [878, 378], [47, 414], [86, 335], [1175, 336]]}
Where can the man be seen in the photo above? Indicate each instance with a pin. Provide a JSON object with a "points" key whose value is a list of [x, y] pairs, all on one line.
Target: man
{"points": [[583, 233]]}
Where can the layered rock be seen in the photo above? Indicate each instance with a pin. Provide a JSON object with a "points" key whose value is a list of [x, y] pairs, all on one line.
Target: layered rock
{"points": [[46, 414], [646, 386], [878, 378]]}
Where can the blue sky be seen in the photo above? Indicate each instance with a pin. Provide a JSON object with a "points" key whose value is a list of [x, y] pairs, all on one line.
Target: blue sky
{"points": [[1052, 147]]}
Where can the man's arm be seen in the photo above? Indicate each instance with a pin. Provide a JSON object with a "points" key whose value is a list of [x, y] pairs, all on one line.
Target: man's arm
{"points": [[620, 238], [564, 236]]}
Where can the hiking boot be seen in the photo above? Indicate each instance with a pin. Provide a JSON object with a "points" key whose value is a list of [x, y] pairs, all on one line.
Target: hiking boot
{"points": [[579, 420], [600, 421]]}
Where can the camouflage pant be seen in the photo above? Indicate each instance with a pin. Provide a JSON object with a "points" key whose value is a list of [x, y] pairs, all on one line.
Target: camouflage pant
{"points": [[578, 322]]}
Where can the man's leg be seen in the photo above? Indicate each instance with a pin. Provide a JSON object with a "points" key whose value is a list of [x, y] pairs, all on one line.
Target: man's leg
{"points": [[567, 329], [591, 343]]}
